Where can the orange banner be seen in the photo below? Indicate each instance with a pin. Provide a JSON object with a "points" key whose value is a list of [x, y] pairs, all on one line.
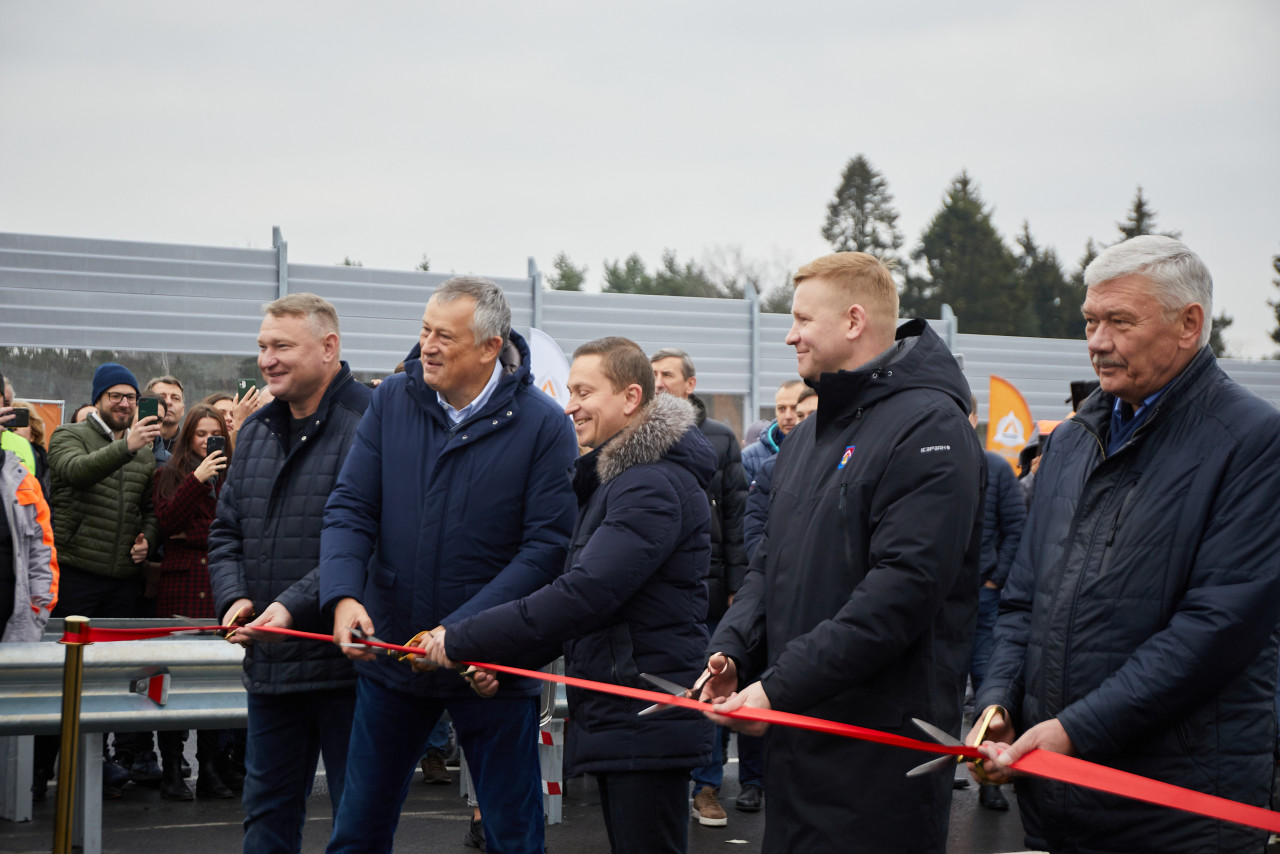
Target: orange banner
{"points": [[1008, 420]]}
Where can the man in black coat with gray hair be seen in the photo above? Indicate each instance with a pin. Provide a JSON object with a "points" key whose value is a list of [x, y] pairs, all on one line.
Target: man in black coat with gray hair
{"points": [[1137, 626]]}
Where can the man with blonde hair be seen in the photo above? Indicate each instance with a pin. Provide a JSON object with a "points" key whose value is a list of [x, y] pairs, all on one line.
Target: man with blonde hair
{"points": [[861, 598]]}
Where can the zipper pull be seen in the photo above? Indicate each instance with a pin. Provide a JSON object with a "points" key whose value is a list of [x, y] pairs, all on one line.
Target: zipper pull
{"points": [[844, 489]]}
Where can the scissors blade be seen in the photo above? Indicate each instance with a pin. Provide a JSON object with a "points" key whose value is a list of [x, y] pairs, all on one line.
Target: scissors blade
{"points": [[656, 707], [932, 765], [666, 685], [937, 734]]}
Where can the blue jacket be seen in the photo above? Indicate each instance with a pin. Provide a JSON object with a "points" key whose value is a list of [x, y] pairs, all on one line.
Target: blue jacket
{"points": [[754, 455], [1004, 513], [264, 544], [431, 523], [632, 599], [1141, 613], [758, 499]]}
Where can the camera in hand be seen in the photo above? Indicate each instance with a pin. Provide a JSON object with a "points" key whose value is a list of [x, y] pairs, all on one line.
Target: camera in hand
{"points": [[21, 418], [148, 406]]}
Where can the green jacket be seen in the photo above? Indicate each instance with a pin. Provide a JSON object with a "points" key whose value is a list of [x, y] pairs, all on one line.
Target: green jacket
{"points": [[101, 498]]}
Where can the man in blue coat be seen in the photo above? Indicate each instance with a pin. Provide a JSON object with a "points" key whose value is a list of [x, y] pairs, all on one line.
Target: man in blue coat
{"points": [[456, 498], [1137, 627], [632, 600]]}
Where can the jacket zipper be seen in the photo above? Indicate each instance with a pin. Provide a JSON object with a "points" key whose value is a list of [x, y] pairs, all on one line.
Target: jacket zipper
{"points": [[1115, 525]]}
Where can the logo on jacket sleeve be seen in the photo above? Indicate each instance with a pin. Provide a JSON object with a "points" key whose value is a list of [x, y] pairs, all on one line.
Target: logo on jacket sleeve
{"points": [[848, 455]]}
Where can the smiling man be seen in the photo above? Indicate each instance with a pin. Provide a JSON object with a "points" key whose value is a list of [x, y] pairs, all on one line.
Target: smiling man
{"points": [[456, 498], [1136, 627], [632, 598], [862, 595], [264, 553]]}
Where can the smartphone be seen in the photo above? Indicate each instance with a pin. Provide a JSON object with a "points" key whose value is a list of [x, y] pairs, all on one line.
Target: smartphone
{"points": [[215, 443], [243, 386], [21, 418], [148, 406]]}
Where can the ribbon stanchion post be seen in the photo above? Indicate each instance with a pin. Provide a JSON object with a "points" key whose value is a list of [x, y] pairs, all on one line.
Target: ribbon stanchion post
{"points": [[75, 636]]}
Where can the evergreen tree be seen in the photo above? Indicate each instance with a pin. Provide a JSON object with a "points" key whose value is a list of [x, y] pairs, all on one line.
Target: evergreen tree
{"points": [[1053, 299], [627, 277], [672, 278], [1142, 220], [967, 265], [861, 217], [347, 262], [1220, 324], [1275, 304], [425, 264], [778, 299], [566, 276]]}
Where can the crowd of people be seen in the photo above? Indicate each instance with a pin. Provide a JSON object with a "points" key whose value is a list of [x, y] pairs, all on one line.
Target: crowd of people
{"points": [[860, 559]]}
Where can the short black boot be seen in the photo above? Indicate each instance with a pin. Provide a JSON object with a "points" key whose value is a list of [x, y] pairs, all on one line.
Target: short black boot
{"points": [[172, 786], [210, 783]]}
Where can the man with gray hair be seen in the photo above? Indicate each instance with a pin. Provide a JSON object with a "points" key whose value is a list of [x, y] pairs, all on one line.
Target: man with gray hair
{"points": [[456, 498], [264, 554], [1137, 623]]}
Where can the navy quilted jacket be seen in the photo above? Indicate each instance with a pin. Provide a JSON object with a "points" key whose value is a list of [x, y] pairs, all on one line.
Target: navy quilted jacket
{"points": [[265, 542], [1004, 514], [1141, 611], [432, 522]]}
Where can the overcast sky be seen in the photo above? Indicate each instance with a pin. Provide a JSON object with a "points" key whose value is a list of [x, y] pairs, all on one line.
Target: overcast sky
{"points": [[484, 133]]}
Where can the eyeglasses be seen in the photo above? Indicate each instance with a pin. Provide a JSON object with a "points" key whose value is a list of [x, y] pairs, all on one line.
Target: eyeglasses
{"points": [[117, 396]]}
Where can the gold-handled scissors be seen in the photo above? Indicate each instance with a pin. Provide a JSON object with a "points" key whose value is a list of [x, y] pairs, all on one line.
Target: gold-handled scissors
{"points": [[674, 690], [943, 737]]}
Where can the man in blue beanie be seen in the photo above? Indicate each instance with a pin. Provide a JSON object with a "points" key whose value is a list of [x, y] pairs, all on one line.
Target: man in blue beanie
{"points": [[103, 519]]}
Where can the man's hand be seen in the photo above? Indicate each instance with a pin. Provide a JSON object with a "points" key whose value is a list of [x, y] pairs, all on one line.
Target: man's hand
{"points": [[999, 732], [754, 697], [142, 434], [240, 612], [723, 679], [138, 552], [433, 646], [483, 682], [6, 415], [348, 614], [274, 615], [1048, 736]]}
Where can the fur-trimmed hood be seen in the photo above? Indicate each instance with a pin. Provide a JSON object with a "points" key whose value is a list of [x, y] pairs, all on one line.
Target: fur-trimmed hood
{"points": [[658, 432]]}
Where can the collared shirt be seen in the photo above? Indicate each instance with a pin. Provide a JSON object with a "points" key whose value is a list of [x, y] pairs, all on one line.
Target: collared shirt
{"points": [[1125, 419], [457, 416]]}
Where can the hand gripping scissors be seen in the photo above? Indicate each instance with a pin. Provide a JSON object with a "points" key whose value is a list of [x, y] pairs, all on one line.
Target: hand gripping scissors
{"points": [[673, 689], [943, 737]]}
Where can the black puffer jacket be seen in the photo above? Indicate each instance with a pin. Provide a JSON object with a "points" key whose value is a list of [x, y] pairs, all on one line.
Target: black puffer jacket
{"points": [[1140, 613], [1004, 514], [728, 495], [632, 598], [264, 544], [862, 598]]}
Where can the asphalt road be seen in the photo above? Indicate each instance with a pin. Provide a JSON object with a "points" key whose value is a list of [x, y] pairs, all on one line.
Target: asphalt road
{"points": [[434, 819]]}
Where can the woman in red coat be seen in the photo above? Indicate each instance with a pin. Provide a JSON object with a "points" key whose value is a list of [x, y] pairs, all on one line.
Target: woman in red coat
{"points": [[186, 500]]}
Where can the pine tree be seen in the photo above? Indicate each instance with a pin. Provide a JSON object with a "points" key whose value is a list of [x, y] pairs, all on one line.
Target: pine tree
{"points": [[627, 277], [1142, 220], [1054, 301], [566, 276], [968, 266], [425, 264], [347, 262], [861, 217], [1220, 324]]}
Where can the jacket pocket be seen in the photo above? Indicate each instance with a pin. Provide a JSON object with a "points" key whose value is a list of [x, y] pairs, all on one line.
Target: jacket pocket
{"points": [[622, 658]]}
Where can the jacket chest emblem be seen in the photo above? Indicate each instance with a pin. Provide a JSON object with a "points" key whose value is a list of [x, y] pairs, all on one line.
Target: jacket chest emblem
{"points": [[848, 455]]}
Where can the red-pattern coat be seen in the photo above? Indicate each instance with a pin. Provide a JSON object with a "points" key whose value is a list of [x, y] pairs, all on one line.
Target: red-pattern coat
{"points": [[184, 574]]}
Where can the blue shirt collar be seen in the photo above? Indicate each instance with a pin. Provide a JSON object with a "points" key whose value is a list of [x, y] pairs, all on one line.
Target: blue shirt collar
{"points": [[457, 416]]}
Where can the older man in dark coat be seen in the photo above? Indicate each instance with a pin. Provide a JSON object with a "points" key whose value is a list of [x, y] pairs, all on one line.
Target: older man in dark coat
{"points": [[861, 599], [1137, 628]]}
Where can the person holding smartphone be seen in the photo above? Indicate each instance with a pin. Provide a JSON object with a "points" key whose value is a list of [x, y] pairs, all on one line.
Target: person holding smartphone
{"points": [[186, 501]]}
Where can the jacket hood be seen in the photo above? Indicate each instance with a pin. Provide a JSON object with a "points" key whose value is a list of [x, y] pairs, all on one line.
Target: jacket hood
{"points": [[917, 359], [665, 429], [515, 358]]}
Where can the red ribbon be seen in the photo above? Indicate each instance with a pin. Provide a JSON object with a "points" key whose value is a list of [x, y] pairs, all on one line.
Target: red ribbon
{"points": [[1039, 763]]}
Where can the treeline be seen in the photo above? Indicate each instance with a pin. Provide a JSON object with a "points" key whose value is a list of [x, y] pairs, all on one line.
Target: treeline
{"points": [[960, 259]]}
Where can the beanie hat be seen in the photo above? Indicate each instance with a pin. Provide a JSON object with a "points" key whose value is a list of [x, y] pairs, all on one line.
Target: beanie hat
{"points": [[109, 374]]}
